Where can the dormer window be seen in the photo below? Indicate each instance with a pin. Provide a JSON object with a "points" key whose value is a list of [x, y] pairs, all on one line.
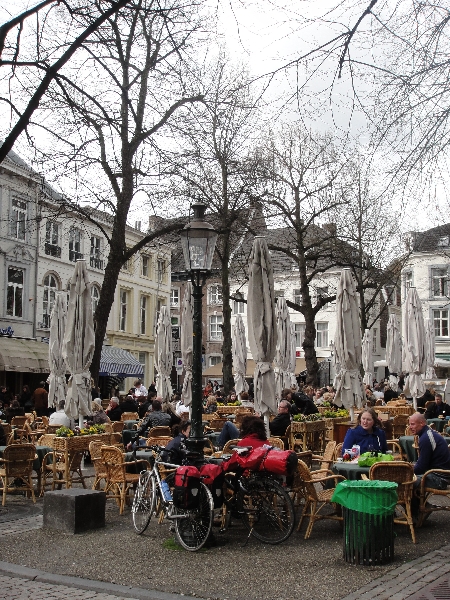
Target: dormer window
{"points": [[443, 241]]}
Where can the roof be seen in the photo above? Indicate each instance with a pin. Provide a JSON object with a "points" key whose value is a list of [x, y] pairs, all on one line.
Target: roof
{"points": [[435, 239]]}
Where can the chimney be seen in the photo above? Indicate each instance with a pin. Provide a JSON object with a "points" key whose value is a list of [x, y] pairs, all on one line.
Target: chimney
{"points": [[137, 225]]}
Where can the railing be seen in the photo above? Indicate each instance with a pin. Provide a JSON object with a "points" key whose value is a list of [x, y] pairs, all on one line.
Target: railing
{"points": [[96, 263], [52, 250], [74, 256]]}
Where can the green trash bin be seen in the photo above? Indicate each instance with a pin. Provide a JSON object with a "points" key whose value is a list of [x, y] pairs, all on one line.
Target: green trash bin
{"points": [[368, 508]]}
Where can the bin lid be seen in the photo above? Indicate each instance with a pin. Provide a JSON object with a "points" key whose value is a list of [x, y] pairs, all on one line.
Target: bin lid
{"points": [[367, 496]]}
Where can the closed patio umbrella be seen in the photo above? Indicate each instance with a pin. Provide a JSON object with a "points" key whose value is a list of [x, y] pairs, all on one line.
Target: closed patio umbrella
{"points": [[393, 351], [431, 349], [283, 348], [262, 331], [349, 389], [292, 381], [367, 357], [239, 349], [79, 343], [187, 334], [163, 355], [57, 387], [414, 350]]}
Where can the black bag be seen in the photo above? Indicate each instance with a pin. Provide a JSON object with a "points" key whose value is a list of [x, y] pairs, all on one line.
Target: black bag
{"points": [[186, 493]]}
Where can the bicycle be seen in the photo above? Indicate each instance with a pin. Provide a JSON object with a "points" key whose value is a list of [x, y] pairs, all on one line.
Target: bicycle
{"points": [[263, 505], [192, 527]]}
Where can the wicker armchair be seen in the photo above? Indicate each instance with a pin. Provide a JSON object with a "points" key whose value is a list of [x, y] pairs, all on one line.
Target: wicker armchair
{"points": [[99, 465], [65, 465], [230, 445], [401, 473], [161, 440], [324, 461], [18, 421], [426, 492], [315, 497], [118, 481], [276, 442], [160, 431], [17, 463], [217, 424], [129, 416], [400, 424], [115, 427]]}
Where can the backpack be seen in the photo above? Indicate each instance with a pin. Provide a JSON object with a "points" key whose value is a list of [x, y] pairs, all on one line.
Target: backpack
{"points": [[186, 493], [214, 477]]}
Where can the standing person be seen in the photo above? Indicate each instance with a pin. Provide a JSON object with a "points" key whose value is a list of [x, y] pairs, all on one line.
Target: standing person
{"points": [[40, 399], [368, 434], [139, 389], [143, 406], [25, 399]]}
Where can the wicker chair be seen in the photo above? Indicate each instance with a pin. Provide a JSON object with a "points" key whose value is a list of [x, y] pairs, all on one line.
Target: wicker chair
{"points": [[65, 465], [217, 424], [47, 440], [401, 473], [129, 416], [160, 432], [161, 440], [99, 465], [426, 492], [227, 449], [338, 451], [276, 442], [396, 449], [400, 424], [324, 461], [18, 421], [17, 463], [118, 481], [315, 497]]}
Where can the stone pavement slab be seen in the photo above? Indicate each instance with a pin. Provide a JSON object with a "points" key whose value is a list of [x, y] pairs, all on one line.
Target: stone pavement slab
{"points": [[23, 583]]}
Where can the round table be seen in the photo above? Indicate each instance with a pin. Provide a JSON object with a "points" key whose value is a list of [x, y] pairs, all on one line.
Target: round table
{"points": [[349, 470]]}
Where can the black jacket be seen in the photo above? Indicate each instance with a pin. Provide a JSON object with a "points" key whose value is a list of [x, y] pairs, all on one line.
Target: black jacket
{"points": [[279, 425]]}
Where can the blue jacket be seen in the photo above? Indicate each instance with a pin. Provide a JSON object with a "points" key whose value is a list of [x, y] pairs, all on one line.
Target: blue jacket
{"points": [[365, 440], [433, 452]]}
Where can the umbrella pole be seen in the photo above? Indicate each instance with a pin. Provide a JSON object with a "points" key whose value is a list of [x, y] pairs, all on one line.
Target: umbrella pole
{"points": [[352, 414], [415, 403], [266, 423]]}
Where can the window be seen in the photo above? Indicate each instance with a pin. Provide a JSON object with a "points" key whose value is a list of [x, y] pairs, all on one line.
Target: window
{"points": [[299, 329], [374, 340], [145, 266], [214, 360], [322, 335], [52, 247], [18, 218], [174, 321], [215, 294], [297, 296], [321, 291], [95, 260], [391, 294], [123, 310], [142, 358], [408, 279], [175, 297], [14, 300], [143, 315], [50, 289], [75, 245], [279, 293], [439, 282], [95, 295], [215, 328], [238, 305], [440, 318], [160, 270]]}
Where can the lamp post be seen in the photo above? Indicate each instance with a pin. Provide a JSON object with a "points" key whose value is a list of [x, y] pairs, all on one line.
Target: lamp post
{"points": [[198, 240]]}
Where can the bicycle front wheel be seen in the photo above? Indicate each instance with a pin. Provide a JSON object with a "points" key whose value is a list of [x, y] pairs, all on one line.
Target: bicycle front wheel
{"points": [[193, 529], [143, 502], [267, 510]]}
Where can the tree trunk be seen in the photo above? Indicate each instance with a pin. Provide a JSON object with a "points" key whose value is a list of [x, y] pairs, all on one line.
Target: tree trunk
{"points": [[227, 365]]}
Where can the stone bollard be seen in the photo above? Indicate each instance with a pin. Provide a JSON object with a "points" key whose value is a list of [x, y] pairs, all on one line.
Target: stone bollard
{"points": [[74, 510]]}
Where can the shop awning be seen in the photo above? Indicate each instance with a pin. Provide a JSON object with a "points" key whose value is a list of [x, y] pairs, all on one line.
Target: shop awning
{"points": [[216, 370], [116, 362], [31, 356]]}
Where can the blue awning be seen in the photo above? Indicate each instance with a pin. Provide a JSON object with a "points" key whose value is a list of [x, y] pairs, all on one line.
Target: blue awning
{"points": [[120, 363]]}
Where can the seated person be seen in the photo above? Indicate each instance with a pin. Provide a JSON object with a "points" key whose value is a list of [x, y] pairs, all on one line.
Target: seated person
{"points": [[130, 404], [433, 452], [283, 419], [60, 418], [253, 432], [143, 406], [434, 411], [211, 405], [155, 418], [368, 434], [175, 451], [14, 410], [99, 417], [114, 412]]}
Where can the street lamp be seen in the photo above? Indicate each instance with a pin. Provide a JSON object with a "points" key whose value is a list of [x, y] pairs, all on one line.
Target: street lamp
{"points": [[198, 240]]}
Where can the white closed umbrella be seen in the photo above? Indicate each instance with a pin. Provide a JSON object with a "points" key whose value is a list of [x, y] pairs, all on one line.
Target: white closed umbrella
{"points": [[262, 331], [79, 344], [348, 384], [283, 348], [431, 349], [187, 342], [367, 357], [239, 350], [57, 387], [163, 355], [292, 359], [414, 350], [393, 351]]}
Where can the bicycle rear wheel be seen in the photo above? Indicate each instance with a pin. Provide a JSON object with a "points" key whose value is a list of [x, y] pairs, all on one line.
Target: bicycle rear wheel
{"points": [[267, 510], [143, 502], [193, 530]]}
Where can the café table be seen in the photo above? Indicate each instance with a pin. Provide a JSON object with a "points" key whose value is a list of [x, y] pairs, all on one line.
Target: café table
{"points": [[406, 443], [128, 435], [439, 424], [350, 470]]}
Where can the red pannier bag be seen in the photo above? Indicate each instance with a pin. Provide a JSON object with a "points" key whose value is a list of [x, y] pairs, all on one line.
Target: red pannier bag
{"points": [[214, 477], [186, 493], [252, 460], [279, 462]]}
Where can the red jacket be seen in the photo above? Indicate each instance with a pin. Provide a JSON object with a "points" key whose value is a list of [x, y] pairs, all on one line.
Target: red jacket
{"points": [[252, 440]]}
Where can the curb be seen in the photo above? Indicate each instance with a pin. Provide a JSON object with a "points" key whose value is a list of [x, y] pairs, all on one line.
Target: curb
{"points": [[101, 587]]}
